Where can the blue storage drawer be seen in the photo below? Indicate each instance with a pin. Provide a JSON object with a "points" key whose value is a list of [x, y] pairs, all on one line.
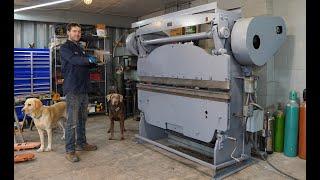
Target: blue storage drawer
{"points": [[41, 81], [22, 91], [41, 73], [32, 71], [25, 74]]}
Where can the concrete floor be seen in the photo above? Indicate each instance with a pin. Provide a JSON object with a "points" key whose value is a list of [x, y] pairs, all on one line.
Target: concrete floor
{"points": [[124, 160]]}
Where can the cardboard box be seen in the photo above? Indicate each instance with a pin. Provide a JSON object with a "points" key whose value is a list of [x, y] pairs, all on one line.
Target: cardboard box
{"points": [[101, 26], [100, 55], [101, 32], [101, 29], [176, 32], [91, 108], [60, 81], [206, 44]]}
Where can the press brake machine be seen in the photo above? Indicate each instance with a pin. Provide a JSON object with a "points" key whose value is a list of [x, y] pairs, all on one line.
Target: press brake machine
{"points": [[204, 101]]}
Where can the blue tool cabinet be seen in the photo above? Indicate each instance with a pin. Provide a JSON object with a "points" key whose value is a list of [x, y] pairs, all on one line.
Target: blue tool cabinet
{"points": [[32, 72]]}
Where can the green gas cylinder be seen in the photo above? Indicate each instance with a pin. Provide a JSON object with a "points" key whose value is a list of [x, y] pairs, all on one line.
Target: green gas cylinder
{"points": [[291, 126], [279, 130]]}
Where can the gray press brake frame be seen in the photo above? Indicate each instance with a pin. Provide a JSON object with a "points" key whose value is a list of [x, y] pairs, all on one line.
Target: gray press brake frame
{"points": [[155, 105], [204, 115]]}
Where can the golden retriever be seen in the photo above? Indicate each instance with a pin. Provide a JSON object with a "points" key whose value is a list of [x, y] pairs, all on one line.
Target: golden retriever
{"points": [[45, 118]]}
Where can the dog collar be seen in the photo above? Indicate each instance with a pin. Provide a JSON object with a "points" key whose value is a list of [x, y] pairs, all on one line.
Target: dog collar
{"points": [[117, 109], [37, 117]]}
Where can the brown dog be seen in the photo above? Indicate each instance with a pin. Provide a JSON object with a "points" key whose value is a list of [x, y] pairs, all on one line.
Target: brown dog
{"points": [[116, 113], [45, 118]]}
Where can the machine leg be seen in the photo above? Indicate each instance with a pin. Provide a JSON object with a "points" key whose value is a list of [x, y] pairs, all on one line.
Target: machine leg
{"points": [[219, 172], [229, 170], [150, 132]]}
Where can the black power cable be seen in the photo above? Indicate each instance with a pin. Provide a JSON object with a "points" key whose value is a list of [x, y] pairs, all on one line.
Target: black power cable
{"points": [[275, 168], [280, 170]]}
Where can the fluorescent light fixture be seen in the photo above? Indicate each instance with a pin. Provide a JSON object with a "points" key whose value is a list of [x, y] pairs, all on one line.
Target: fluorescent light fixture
{"points": [[41, 5]]}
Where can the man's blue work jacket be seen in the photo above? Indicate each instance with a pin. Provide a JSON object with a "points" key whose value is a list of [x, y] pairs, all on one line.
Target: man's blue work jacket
{"points": [[75, 68]]}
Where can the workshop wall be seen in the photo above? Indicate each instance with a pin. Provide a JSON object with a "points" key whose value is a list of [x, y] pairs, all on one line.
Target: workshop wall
{"points": [[40, 33], [287, 69], [172, 7], [28, 32]]}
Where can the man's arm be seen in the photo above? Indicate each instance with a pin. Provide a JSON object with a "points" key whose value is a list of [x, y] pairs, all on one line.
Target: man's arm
{"points": [[72, 58]]}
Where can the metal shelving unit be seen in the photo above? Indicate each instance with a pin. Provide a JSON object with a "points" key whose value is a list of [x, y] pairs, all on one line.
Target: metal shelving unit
{"points": [[96, 40], [58, 40], [100, 85]]}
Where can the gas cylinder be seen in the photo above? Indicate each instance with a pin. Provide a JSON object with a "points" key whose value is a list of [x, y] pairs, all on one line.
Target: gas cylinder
{"points": [[291, 126], [279, 130], [302, 127], [269, 135]]}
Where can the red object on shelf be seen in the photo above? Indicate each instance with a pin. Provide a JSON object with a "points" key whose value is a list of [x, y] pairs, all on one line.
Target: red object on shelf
{"points": [[95, 76]]}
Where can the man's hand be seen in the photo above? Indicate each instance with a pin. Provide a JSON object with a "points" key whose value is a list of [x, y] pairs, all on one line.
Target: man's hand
{"points": [[92, 59]]}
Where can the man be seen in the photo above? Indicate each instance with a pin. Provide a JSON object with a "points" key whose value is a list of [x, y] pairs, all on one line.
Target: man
{"points": [[75, 70]]}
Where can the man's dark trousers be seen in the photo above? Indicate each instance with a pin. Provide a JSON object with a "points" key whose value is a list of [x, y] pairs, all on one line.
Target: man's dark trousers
{"points": [[77, 115]]}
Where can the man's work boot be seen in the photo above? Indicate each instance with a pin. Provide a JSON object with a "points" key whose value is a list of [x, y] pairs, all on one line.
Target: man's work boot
{"points": [[86, 147], [72, 157]]}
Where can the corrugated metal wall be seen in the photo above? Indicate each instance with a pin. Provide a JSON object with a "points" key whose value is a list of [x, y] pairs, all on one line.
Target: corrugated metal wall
{"points": [[27, 32], [40, 33]]}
